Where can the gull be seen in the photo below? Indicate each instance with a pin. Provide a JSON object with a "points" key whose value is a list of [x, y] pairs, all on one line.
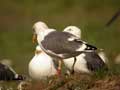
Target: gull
{"points": [[7, 73], [41, 66], [59, 45], [86, 62]]}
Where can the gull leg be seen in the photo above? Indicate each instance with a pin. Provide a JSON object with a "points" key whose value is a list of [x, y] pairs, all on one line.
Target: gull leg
{"points": [[72, 72], [59, 67]]}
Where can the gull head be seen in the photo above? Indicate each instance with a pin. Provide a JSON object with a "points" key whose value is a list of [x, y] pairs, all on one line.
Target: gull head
{"points": [[38, 27], [73, 30]]}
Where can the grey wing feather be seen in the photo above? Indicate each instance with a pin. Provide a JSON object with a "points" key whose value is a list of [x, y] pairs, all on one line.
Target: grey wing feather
{"points": [[94, 62], [58, 42]]}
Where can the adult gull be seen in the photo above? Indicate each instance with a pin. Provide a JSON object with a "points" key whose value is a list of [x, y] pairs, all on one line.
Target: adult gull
{"points": [[59, 45], [86, 62], [7, 73]]}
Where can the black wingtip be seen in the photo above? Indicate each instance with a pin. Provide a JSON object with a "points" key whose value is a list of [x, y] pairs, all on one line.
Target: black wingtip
{"points": [[20, 77], [90, 47]]}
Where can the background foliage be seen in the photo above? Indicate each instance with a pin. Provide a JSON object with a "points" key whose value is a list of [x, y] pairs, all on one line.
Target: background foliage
{"points": [[18, 16]]}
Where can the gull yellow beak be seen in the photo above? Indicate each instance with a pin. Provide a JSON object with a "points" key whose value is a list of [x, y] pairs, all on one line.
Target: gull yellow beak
{"points": [[34, 38], [37, 51]]}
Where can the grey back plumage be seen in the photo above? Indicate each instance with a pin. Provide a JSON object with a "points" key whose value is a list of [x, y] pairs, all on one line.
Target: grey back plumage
{"points": [[58, 43]]}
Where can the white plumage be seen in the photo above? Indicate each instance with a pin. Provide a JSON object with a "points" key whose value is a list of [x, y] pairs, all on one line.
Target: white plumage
{"points": [[41, 65], [73, 30], [57, 44], [80, 65], [82, 60], [7, 62]]}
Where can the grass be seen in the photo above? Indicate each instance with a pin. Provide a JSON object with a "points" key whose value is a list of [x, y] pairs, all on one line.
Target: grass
{"points": [[17, 18]]}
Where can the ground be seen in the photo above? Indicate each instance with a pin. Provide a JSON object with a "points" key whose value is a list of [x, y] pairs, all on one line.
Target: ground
{"points": [[73, 82], [82, 82], [18, 16]]}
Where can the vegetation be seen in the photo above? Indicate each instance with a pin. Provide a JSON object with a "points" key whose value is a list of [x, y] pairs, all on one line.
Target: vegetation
{"points": [[18, 16]]}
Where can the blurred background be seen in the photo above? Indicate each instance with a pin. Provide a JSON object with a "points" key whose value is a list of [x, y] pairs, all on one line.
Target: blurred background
{"points": [[18, 16]]}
